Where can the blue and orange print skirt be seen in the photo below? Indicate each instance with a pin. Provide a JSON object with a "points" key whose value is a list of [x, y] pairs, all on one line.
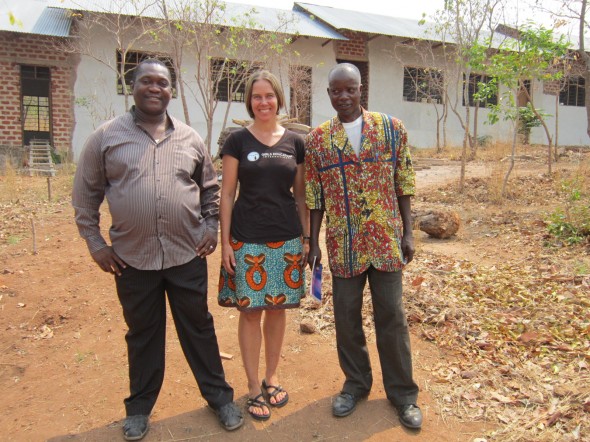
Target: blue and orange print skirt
{"points": [[267, 276]]}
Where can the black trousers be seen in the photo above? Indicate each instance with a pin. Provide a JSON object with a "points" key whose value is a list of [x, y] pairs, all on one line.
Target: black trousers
{"points": [[142, 294], [391, 328]]}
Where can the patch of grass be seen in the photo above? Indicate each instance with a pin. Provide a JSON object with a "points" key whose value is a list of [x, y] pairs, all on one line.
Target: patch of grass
{"points": [[13, 239], [570, 222], [83, 356], [582, 268]]}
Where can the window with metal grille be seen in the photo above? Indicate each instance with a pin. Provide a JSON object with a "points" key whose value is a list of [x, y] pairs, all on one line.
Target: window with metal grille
{"points": [[573, 92], [132, 59], [476, 81], [423, 84], [36, 113], [230, 76]]}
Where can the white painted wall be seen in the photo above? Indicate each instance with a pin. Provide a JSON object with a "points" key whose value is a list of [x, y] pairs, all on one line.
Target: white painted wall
{"points": [[97, 100], [385, 95]]}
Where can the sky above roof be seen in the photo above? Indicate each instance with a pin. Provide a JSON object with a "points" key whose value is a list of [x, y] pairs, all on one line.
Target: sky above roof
{"points": [[517, 11]]}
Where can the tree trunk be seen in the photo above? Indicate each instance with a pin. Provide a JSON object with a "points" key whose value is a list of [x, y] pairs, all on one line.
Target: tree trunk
{"points": [[586, 58], [549, 141], [513, 154], [463, 162], [446, 115], [587, 93], [466, 135], [556, 140], [474, 143]]}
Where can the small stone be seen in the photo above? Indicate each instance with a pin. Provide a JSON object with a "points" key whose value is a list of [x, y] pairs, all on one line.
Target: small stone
{"points": [[307, 326], [468, 374]]}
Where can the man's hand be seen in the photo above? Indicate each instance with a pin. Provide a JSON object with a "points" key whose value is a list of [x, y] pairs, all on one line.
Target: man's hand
{"points": [[109, 261], [304, 254], [207, 244], [314, 252], [408, 248]]}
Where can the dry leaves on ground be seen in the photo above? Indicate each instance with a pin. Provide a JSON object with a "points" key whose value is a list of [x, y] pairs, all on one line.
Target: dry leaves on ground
{"points": [[519, 329]]}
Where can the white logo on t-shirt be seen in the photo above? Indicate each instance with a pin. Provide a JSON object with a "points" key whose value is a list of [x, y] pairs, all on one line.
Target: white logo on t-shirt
{"points": [[253, 156]]}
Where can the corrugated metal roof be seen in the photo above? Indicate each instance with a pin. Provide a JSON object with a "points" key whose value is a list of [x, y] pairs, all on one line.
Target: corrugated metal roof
{"points": [[342, 19], [146, 8], [236, 14], [54, 22], [288, 22], [33, 17]]}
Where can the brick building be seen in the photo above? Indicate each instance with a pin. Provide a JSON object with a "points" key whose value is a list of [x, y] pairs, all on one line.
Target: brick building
{"points": [[49, 93], [36, 93]]}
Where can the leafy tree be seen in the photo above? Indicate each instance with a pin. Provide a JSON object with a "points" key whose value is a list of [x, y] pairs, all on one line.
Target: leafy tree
{"points": [[527, 120], [529, 57], [465, 26], [575, 11]]}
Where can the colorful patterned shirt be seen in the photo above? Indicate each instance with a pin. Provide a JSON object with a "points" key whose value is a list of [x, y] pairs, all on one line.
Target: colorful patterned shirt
{"points": [[359, 194]]}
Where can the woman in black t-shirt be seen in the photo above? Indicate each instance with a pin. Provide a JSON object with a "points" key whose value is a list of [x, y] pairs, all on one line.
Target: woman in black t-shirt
{"points": [[264, 236]]}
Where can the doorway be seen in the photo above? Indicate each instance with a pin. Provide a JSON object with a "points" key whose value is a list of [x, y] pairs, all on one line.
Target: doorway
{"points": [[35, 103]]}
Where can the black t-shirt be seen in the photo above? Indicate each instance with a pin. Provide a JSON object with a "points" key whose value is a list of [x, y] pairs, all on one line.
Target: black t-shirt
{"points": [[265, 210]]}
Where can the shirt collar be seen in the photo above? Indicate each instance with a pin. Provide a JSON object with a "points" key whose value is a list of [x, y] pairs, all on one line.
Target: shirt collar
{"points": [[168, 117]]}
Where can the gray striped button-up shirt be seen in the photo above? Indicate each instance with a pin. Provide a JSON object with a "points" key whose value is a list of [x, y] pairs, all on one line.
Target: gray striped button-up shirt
{"points": [[162, 195]]}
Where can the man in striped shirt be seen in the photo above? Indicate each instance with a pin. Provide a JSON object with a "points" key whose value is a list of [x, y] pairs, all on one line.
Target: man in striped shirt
{"points": [[163, 197]]}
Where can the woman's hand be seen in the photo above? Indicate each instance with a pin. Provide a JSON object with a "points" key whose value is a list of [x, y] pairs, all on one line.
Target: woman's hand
{"points": [[228, 260]]}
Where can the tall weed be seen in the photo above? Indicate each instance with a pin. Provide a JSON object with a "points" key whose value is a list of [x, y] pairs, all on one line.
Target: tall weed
{"points": [[570, 222]]}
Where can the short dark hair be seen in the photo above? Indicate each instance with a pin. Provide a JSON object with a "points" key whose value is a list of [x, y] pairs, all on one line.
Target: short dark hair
{"points": [[275, 84], [155, 61], [345, 67]]}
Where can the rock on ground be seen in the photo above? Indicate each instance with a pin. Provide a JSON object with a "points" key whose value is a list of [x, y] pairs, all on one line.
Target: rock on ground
{"points": [[439, 224]]}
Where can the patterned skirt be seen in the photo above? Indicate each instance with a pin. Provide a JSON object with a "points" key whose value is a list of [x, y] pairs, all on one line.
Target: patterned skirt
{"points": [[267, 276]]}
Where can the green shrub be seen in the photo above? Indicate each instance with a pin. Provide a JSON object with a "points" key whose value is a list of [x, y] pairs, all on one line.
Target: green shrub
{"points": [[571, 223]]}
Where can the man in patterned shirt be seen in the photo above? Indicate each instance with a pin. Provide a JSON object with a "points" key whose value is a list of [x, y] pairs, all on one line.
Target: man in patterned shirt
{"points": [[359, 171], [163, 197]]}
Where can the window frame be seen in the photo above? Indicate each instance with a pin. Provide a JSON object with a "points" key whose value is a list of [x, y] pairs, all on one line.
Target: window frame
{"points": [[419, 85], [224, 86], [474, 80], [579, 97]]}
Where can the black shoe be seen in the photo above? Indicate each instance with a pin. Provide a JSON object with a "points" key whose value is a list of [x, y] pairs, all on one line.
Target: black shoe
{"points": [[135, 427], [410, 416], [344, 404], [230, 417]]}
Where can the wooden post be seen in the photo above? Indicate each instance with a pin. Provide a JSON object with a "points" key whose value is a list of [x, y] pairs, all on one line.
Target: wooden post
{"points": [[34, 237], [49, 188]]}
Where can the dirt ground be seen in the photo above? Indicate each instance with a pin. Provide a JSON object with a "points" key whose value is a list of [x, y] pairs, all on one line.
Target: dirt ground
{"points": [[63, 367]]}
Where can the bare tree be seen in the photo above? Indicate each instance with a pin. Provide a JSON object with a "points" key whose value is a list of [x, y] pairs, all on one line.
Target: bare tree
{"points": [[127, 23], [227, 49], [176, 14], [465, 25], [300, 85], [428, 83]]}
